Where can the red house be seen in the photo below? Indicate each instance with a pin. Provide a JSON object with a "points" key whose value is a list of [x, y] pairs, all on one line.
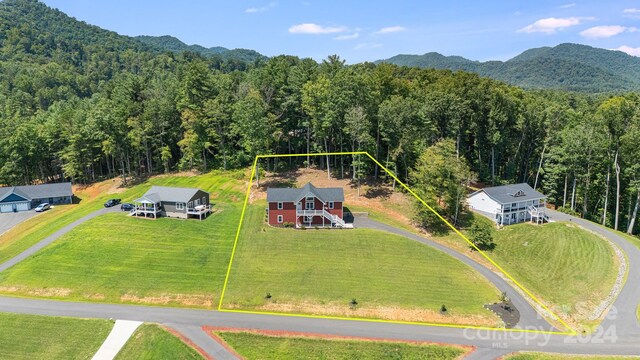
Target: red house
{"points": [[308, 206]]}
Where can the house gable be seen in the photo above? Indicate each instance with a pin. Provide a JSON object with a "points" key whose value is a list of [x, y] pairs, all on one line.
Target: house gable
{"points": [[13, 197]]}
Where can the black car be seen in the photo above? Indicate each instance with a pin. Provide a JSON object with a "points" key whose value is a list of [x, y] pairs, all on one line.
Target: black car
{"points": [[112, 202], [127, 207]]}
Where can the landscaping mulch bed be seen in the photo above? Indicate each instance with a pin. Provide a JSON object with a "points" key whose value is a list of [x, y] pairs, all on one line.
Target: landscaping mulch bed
{"points": [[507, 312]]}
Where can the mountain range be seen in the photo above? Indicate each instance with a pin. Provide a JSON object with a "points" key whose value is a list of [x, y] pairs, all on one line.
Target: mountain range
{"points": [[572, 67], [170, 43]]}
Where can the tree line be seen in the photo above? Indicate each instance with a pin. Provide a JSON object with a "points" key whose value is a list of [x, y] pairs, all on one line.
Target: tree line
{"points": [[92, 112]]}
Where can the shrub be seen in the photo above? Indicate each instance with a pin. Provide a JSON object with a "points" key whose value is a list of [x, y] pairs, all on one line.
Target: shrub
{"points": [[288, 224], [482, 236], [443, 309], [353, 303], [569, 211], [268, 296]]}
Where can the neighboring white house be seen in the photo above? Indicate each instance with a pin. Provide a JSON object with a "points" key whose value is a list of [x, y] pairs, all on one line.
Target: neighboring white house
{"points": [[509, 204]]}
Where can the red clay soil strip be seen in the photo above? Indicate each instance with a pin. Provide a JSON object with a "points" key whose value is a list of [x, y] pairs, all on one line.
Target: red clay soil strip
{"points": [[188, 342], [281, 333]]}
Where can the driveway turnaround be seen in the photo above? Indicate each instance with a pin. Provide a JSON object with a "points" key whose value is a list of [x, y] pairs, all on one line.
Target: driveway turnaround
{"points": [[9, 220], [53, 237], [529, 318], [120, 334]]}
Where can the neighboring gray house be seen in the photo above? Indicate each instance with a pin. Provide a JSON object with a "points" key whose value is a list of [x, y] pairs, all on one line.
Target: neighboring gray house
{"points": [[172, 202], [24, 198], [509, 204]]}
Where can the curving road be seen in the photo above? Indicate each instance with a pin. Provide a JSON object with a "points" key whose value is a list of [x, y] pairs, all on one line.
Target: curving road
{"points": [[620, 334], [529, 318]]}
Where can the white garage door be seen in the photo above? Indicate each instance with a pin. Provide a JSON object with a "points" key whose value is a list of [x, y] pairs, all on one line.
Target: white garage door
{"points": [[23, 206], [5, 208]]}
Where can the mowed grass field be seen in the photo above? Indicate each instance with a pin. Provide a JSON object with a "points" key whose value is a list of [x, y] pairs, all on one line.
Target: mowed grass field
{"points": [[48, 337], [321, 271], [261, 347], [152, 342], [566, 266], [116, 258], [223, 186]]}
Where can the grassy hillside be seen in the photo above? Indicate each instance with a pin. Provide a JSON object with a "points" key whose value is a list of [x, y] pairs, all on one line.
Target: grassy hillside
{"points": [[570, 67], [48, 337], [259, 347], [321, 271], [153, 342], [115, 258]]}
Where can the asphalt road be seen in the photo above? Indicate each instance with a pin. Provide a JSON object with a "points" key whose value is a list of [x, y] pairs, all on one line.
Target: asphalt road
{"points": [[619, 335], [9, 220]]}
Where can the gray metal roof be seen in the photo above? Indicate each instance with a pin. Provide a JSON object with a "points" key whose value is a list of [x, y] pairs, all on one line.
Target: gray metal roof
{"points": [[174, 194], [42, 191], [506, 194], [293, 194], [147, 198]]}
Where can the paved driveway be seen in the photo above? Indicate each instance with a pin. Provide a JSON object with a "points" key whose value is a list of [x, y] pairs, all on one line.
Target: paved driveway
{"points": [[9, 220]]}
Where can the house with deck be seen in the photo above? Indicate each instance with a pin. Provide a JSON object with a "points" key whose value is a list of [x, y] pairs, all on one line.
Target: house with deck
{"points": [[172, 202], [308, 206], [510, 204], [24, 198]]}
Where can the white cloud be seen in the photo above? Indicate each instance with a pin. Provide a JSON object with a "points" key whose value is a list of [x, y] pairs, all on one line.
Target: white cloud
{"points": [[629, 50], [253, 10], [390, 29], [551, 25], [347, 37], [632, 13], [605, 31], [310, 28], [566, 6], [363, 46]]}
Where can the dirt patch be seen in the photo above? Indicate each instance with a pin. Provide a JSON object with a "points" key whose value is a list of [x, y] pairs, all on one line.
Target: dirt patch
{"points": [[212, 330], [374, 195], [378, 312], [197, 300], [38, 292]]}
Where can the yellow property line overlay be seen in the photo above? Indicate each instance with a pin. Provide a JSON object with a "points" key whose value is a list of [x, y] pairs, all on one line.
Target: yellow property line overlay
{"points": [[571, 331]]}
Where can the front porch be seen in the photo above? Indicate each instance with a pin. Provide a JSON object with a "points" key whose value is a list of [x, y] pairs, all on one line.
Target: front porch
{"points": [[146, 206], [319, 219]]}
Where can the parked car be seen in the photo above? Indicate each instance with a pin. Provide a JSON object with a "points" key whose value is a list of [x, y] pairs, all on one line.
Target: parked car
{"points": [[42, 207], [112, 202], [127, 207]]}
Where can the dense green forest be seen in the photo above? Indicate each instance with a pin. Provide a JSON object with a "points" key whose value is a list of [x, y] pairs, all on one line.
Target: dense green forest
{"points": [[83, 103], [571, 67]]}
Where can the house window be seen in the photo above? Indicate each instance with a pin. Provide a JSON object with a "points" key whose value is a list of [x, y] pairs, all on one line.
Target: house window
{"points": [[330, 204], [197, 202], [280, 206], [190, 204], [179, 206], [514, 205], [308, 219], [280, 219], [204, 200], [309, 203]]}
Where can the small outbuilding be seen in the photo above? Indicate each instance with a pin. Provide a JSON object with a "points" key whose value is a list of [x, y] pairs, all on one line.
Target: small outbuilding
{"points": [[24, 198], [509, 204], [173, 202]]}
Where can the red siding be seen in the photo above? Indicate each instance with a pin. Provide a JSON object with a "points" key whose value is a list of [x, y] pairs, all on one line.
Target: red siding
{"points": [[288, 213]]}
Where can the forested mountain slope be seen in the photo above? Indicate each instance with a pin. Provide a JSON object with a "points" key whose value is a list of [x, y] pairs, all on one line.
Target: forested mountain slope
{"points": [[82, 103], [170, 43], [571, 67]]}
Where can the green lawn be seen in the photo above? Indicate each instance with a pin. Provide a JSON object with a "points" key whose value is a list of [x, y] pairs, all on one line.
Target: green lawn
{"points": [[116, 258], [47, 337], [222, 185], [153, 342], [320, 271], [560, 262], [543, 356], [258, 347]]}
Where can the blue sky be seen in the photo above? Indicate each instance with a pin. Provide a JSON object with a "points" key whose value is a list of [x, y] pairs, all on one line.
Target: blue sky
{"points": [[370, 30]]}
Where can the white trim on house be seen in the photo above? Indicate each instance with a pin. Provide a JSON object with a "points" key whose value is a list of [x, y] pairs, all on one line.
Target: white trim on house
{"points": [[280, 205], [331, 205], [179, 206], [280, 219]]}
